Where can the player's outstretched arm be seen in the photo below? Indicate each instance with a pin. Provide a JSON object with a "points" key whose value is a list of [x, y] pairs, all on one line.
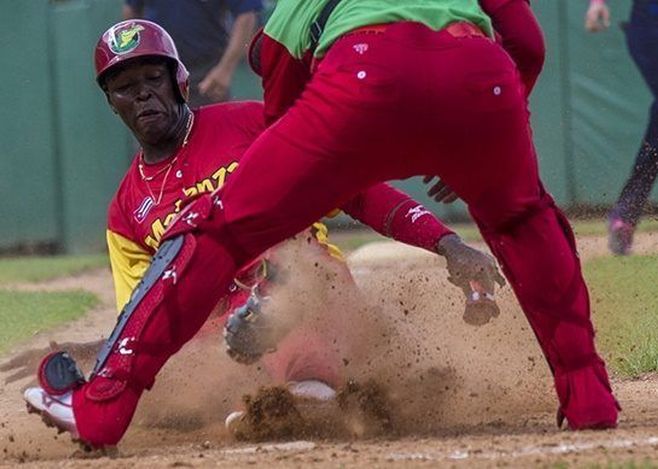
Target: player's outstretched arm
{"points": [[394, 214]]}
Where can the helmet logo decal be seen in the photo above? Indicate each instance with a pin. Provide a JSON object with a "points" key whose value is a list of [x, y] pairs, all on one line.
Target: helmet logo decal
{"points": [[124, 39]]}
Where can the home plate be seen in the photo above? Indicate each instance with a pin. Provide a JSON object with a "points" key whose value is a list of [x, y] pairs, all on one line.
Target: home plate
{"points": [[274, 447]]}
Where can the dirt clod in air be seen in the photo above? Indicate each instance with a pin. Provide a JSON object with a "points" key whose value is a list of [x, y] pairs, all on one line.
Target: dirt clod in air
{"points": [[366, 408], [273, 413], [270, 415]]}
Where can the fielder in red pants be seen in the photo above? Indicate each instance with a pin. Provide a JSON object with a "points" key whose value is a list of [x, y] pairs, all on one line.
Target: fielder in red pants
{"points": [[379, 91]]}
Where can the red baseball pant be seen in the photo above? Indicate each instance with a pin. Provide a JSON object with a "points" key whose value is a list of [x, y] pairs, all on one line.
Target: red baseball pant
{"points": [[408, 101]]}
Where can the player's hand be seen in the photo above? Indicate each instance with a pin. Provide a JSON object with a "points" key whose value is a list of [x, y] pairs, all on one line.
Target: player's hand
{"points": [[216, 83], [440, 191], [597, 17], [25, 364], [476, 273]]}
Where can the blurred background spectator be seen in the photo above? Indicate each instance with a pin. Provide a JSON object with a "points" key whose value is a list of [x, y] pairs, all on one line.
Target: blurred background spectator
{"points": [[211, 35], [642, 41], [588, 112]]}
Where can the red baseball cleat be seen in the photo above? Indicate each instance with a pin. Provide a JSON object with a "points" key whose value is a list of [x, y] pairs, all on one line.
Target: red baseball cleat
{"points": [[588, 402]]}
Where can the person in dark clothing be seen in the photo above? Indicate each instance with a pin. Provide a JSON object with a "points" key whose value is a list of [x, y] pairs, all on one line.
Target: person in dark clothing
{"points": [[211, 36], [642, 40]]}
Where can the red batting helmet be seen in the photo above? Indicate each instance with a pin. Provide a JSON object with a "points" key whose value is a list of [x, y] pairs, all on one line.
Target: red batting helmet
{"points": [[138, 38]]}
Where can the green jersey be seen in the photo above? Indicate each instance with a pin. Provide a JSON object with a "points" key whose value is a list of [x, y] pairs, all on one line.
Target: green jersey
{"points": [[291, 20]]}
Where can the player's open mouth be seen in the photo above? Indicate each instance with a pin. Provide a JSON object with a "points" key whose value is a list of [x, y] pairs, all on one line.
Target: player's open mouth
{"points": [[147, 115]]}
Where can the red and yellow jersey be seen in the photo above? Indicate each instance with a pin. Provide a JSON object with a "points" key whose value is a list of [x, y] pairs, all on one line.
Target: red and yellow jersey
{"points": [[148, 199], [150, 196]]}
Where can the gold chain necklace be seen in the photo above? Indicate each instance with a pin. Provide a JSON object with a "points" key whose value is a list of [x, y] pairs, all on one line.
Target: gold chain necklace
{"points": [[167, 168], [162, 187]]}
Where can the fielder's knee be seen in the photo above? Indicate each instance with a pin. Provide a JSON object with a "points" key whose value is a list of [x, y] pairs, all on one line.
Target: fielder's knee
{"points": [[541, 230]]}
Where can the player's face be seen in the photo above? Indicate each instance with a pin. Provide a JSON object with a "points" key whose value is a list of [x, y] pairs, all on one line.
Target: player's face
{"points": [[143, 96]]}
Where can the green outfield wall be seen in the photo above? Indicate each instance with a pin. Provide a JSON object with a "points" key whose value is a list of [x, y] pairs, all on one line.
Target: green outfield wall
{"points": [[63, 152]]}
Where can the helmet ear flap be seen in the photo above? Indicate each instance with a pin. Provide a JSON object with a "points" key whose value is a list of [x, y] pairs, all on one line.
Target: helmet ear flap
{"points": [[184, 90], [181, 78]]}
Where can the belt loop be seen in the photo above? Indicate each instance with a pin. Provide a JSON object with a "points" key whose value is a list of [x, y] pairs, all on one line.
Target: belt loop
{"points": [[464, 29]]}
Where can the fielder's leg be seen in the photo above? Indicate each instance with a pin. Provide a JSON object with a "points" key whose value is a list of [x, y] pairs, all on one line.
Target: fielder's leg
{"points": [[496, 173], [537, 252], [461, 111]]}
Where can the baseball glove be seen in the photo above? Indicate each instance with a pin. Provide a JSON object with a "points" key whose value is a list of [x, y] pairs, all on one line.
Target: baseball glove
{"points": [[249, 333], [475, 272]]}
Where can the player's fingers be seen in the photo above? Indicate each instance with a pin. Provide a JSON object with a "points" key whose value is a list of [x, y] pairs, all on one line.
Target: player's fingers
{"points": [[17, 361], [27, 371], [427, 179], [596, 27], [459, 281], [443, 193], [493, 273], [590, 23], [436, 188], [484, 273], [203, 86], [593, 20], [6, 366], [495, 310], [85, 353], [210, 88], [500, 280], [217, 92], [450, 198]]}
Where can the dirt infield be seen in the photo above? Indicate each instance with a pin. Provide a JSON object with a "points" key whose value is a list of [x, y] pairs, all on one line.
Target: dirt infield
{"points": [[459, 396]]}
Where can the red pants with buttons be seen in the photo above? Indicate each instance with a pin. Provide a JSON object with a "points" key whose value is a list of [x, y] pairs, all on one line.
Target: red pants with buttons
{"points": [[416, 102]]}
